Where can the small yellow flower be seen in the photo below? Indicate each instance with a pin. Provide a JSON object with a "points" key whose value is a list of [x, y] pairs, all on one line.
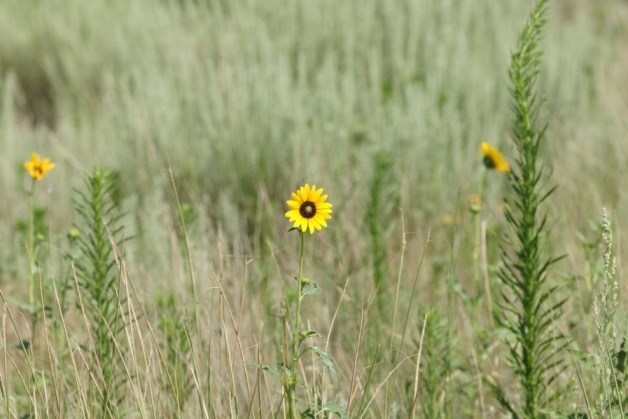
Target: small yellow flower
{"points": [[37, 168], [494, 159], [308, 209]]}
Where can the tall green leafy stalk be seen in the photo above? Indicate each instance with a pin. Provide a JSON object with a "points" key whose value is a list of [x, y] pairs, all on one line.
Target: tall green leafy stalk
{"points": [[529, 303], [98, 277]]}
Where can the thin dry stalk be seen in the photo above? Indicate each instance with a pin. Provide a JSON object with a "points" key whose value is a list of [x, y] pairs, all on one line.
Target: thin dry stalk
{"points": [[354, 370], [417, 386]]}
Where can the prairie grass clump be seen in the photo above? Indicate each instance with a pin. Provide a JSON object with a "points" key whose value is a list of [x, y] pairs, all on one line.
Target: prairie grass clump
{"points": [[177, 349], [436, 369]]}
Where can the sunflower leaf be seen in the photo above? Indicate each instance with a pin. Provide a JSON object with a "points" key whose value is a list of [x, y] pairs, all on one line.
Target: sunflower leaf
{"points": [[306, 334], [272, 370], [334, 408], [310, 288], [328, 362]]}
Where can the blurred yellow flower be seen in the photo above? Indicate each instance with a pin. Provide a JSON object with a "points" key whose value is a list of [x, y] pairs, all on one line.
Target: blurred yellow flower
{"points": [[475, 203], [494, 159], [308, 209], [447, 220], [37, 168]]}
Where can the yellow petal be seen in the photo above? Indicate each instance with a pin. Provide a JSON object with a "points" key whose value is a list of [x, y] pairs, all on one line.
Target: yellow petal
{"points": [[317, 223], [302, 194], [316, 194]]}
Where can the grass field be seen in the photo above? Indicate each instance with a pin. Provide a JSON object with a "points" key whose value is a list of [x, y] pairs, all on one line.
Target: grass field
{"points": [[204, 116]]}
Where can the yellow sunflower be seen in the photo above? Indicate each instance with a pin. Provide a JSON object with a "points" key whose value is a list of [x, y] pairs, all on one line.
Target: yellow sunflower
{"points": [[308, 209], [494, 159], [37, 168]]}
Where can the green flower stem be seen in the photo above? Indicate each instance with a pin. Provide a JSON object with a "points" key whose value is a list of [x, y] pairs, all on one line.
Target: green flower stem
{"points": [[480, 271], [291, 382], [32, 260], [32, 255], [297, 323], [478, 228]]}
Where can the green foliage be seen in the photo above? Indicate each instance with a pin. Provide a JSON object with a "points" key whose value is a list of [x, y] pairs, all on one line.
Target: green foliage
{"points": [[436, 367], [611, 362], [100, 239], [377, 218], [289, 373], [33, 233], [40, 227], [177, 349], [529, 305]]}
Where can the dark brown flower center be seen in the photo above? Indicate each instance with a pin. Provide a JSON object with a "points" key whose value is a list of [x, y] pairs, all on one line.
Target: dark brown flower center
{"points": [[307, 209], [489, 162]]}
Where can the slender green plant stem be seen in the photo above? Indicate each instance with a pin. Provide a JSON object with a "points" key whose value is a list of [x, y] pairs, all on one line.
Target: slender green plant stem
{"points": [[480, 269], [297, 323], [32, 260], [478, 229], [291, 384], [413, 291], [393, 354], [188, 256], [451, 271], [31, 255], [404, 242]]}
